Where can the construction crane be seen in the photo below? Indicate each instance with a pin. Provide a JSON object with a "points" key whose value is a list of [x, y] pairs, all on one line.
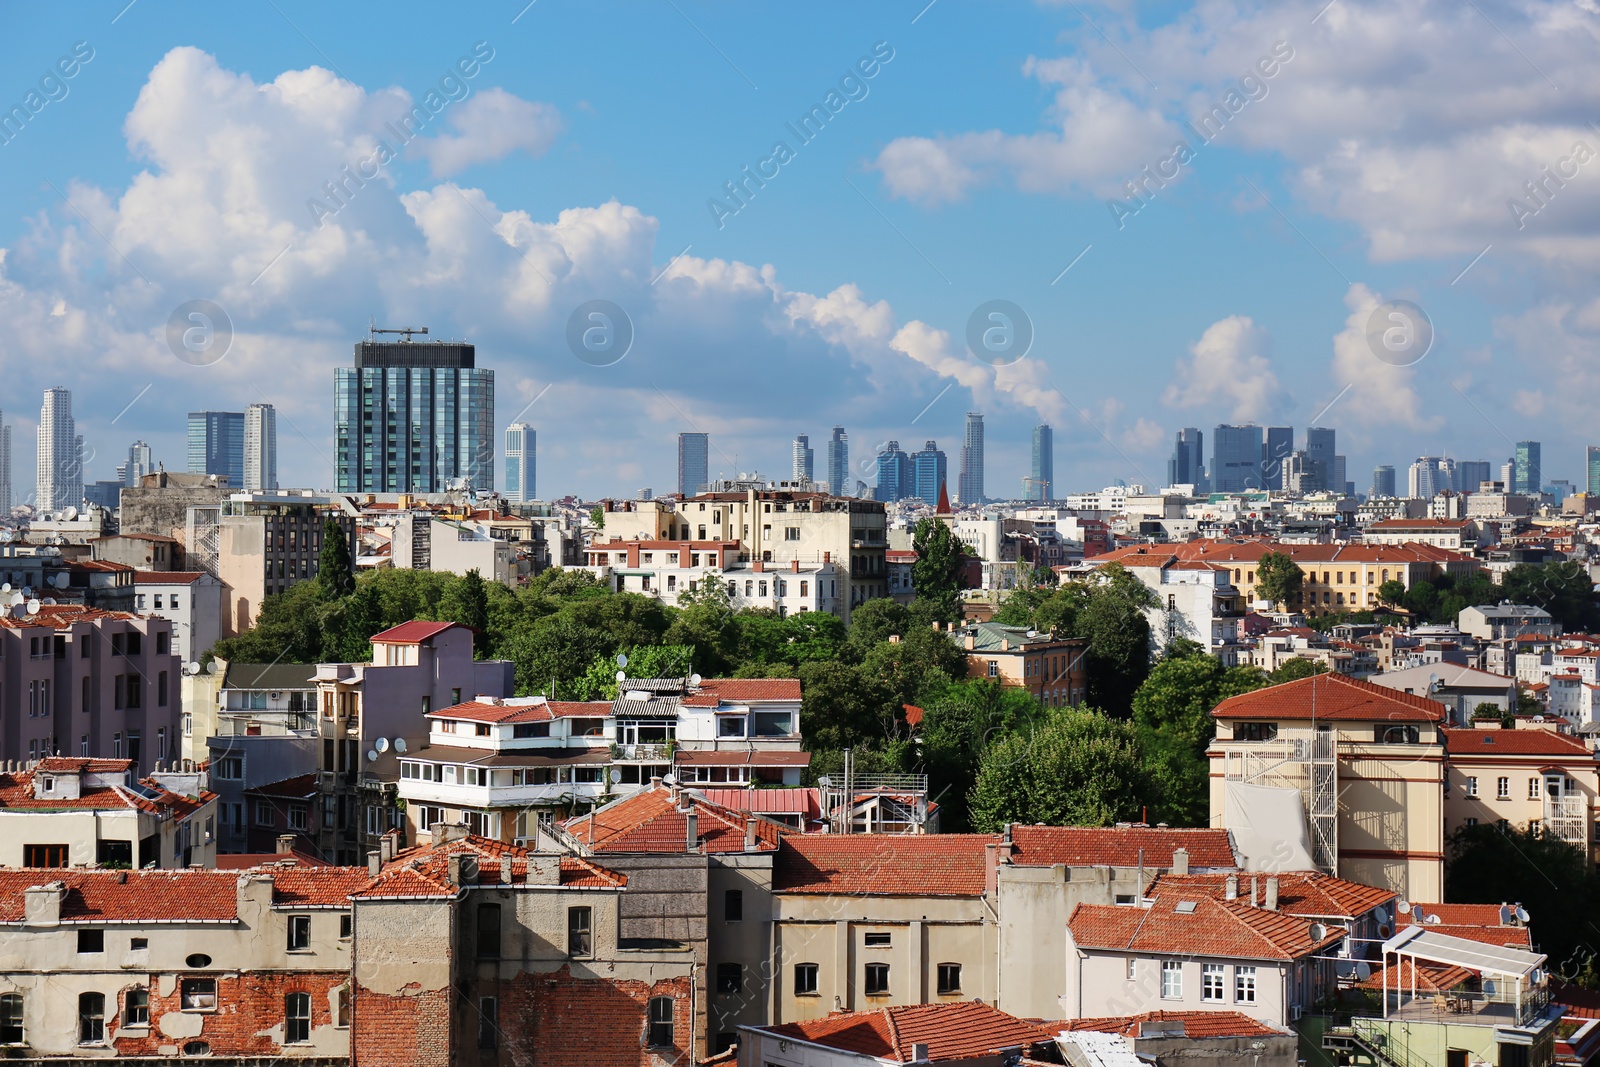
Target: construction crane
{"points": [[407, 332]]}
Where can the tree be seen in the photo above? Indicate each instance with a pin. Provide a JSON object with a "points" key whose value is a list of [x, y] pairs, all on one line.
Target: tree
{"points": [[1078, 768], [597, 517], [936, 575], [1112, 619], [958, 723], [1563, 589], [466, 602], [1172, 715], [1294, 669], [1279, 578], [335, 578], [875, 621], [1393, 592], [839, 708]]}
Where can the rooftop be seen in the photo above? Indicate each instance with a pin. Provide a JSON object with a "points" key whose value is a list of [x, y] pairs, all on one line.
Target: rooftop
{"points": [[1118, 846], [933, 865], [1529, 741], [957, 1031], [1187, 1023], [1199, 925], [414, 632], [655, 820], [1330, 697], [1307, 894]]}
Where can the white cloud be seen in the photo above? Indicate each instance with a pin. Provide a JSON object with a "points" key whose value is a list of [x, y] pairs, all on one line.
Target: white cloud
{"points": [[489, 126], [1228, 367], [1380, 393]]}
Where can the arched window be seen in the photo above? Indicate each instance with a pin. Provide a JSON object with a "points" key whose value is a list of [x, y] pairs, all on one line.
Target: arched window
{"points": [[91, 1018], [11, 1019], [297, 1019], [660, 1033]]}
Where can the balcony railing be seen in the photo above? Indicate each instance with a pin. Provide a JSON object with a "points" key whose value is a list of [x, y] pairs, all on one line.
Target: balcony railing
{"points": [[644, 753]]}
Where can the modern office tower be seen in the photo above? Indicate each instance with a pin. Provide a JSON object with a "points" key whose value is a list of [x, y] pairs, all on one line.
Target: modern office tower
{"points": [[1383, 481], [928, 472], [60, 464], [216, 445], [138, 465], [1430, 476], [5, 467], [694, 462], [522, 463], [260, 447], [1187, 465], [1527, 475], [1235, 458], [805, 459], [894, 474], [1591, 463], [970, 487], [1320, 452], [1041, 483], [413, 417], [1279, 443], [1508, 471], [839, 462], [1471, 473], [1299, 474], [1338, 482]]}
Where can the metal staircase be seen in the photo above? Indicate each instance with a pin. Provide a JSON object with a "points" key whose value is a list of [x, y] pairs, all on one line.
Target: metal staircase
{"points": [[1367, 1038]]}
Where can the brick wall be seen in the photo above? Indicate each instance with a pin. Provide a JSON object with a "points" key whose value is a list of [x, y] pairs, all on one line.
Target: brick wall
{"points": [[248, 1020], [411, 1028], [558, 1019]]}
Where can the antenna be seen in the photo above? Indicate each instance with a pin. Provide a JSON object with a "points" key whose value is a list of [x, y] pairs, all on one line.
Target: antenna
{"points": [[405, 331]]}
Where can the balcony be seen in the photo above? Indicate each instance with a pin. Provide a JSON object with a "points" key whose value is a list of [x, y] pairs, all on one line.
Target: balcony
{"points": [[498, 796], [642, 753]]}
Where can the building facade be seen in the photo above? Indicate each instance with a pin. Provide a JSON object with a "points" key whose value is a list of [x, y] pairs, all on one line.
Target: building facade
{"points": [[1042, 473], [522, 463], [970, 487], [694, 462], [216, 445], [60, 453], [260, 447]]}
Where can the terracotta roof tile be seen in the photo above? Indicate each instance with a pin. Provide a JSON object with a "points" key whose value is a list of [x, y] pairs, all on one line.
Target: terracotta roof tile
{"points": [[959, 1031], [1118, 846], [648, 821], [1466, 742], [1308, 894], [714, 691], [1224, 929], [1195, 1024], [411, 633], [424, 870], [934, 865], [522, 710], [1330, 697]]}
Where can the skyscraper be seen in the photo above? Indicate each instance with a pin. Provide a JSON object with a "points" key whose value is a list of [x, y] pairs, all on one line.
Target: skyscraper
{"points": [[1320, 453], [928, 472], [1279, 443], [1591, 462], [804, 459], [839, 462], [522, 463], [60, 466], [216, 445], [5, 467], [1383, 481], [970, 486], [1188, 463], [138, 465], [1527, 475], [1471, 473], [1041, 483], [894, 474], [694, 462], [260, 447], [1236, 458], [1430, 476], [413, 417]]}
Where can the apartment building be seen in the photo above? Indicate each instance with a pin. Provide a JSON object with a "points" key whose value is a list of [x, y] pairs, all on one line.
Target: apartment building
{"points": [[1460, 535], [1048, 666], [938, 1035], [192, 600], [420, 541], [1506, 621], [267, 542], [1533, 777], [664, 570], [1196, 601]]}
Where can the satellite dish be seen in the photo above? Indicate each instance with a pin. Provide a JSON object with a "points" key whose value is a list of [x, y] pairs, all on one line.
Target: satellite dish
{"points": [[695, 679], [400, 744], [669, 779], [622, 676], [1403, 907], [372, 756], [6, 588], [1382, 915], [1433, 920], [69, 514], [62, 580], [27, 590], [381, 744], [49, 600], [1522, 914], [1363, 971], [33, 607], [622, 659], [194, 667]]}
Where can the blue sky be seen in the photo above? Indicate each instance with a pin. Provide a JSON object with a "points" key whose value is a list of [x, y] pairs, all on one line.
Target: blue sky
{"points": [[1376, 162]]}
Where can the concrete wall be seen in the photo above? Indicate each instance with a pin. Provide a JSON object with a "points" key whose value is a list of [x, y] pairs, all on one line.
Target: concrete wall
{"points": [[746, 941], [1098, 986]]}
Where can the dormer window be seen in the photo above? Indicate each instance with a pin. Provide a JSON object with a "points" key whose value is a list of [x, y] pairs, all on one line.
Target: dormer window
{"points": [[47, 784]]}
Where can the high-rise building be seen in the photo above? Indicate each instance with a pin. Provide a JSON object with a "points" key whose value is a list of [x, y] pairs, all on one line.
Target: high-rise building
{"points": [[1338, 482], [1041, 483], [1383, 481], [60, 464], [1321, 454], [970, 486], [260, 447], [1527, 475], [694, 462], [1187, 465], [1279, 443], [1236, 458], [839, 462], [522, 463], [928, 472], [5, 467], [138, 465], [1508, 471], [1471, 473], [413, 417], [1591, 463], [894, 474], [216, 445], [1430, 476], [805, 458]]}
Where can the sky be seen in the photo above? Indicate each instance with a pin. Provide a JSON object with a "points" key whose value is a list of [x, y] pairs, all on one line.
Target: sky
{"points": [[1379, 216]]}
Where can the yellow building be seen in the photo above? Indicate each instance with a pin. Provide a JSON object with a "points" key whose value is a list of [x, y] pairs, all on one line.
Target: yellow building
{"points": [[1532, 777]]}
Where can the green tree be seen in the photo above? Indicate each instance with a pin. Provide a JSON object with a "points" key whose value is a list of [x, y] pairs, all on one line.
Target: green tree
{"points": [[958, 723], [1077, 768], [1563, 589], [597, 517], [936, 575], [839, 708], [466, 601], [1279, 578], [1172, 716], [335, 577], [1296, 668], [875, 621], [1393, 592], [1112, 619]]}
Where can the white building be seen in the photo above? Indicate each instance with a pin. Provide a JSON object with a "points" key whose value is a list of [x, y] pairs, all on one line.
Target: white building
{"points": [[260, 448], [1196, 600], [191, 599], [425, 543], [60, 466], [664, 570]]}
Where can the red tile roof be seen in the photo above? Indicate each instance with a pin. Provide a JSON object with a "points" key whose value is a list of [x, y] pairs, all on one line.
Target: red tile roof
{"points": [[1195, 1024], [1308, 894], [795, 800], [541, 711], [299, 787], [1424, 976], [1330, 697], [1467, 742], [967, 1030], [192, 895], [714, 691], [934, 865], [1475, 922], [649, 821], [750, 757], [424, 870], [167, 577], [1223, 929], [411, 633], [1118, 846], [16, 790]]}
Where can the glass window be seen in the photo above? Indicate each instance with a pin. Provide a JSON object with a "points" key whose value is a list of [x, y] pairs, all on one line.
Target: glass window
{"points": [[733, 906], [11, 1032], [730, 979], [1211, 982], [299, 933], [488, 931], [580, 942], [488, 1022], [805, 979], [136, 1007], [91, 1018], [659, 1034], [297, 1019], [949, 979], [1502, 788], [1171, 979], [877, 979], [1244, 985], [878, 939], [198, 994], [91, 940]]}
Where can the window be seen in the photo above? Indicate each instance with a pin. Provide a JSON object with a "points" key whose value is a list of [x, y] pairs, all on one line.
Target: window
{"points": [[231, 768], [805, 979], [488, 931], [197, 960], [346, 926], [161, 690], [1398, 735], [1171, 979], [138, 944], [1211, 982], [136, 1007], [877, 979], [91, 941], [733, 906], [1255, 731], [164, 639], [659, 1033], [994, 668], [297, 816], [198, 994], [299, 933], [1534, 788], [91, 1018], [878, 939], [1502, 788], [730, 726], [530, 729], [580, 943], [730, 979], [297, 1019], [1244, 985], [1472, 785], [488, 1022], [133, 642], [264, 813], [1132, 968], [11, 1019], [44, 855], [949, 979]]}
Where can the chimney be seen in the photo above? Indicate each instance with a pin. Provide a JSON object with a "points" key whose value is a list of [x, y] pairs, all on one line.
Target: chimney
{"points": [[691, 832], [285, 844], [758, 566], [42, 904], [673, 791], [1180, 860], [794, 566], [972, 642], [386, 847], [505, 869], [1230, 890], [750, 841], [1255, 891], [544, 870], [374, 864], [655, 781], [1272, 892], [827, 557], [453, 865]]}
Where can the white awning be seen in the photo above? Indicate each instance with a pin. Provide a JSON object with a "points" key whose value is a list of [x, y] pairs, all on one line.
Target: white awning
{"points": [[1425, 944]]}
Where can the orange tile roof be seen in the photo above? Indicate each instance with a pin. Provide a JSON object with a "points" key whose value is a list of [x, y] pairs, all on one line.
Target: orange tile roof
{"points": [[1244, 553], [959, 1031], [714, 691], [1118, 846], [16, 790], [543, 711], [749, 757], [1475, 922], [1331, 697], [1195, 1024], [167, 577], [1467, 742], [411, 633], [1225, 929], [1308, 894], [934, 865], [424, 870], [649, 821], [192, 895]]}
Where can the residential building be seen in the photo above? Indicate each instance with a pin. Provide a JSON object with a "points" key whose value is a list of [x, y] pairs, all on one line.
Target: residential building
{"points": [[663, 570], [1041, 481], [1180, 1037], [1383, 482], [142, 552], [943, 1034], [1196, 601], [60, 454], [804, 467], [929, 472], [413, 417], [694, 463], [1187, 465], [1278, 444], [1235, 458], [260, 447], [1506, 621], [1048, 666], [1533, 777], [894, 474], [257, 725], [68, 811], [522, 463], [192, 600], [216, 445], [1458, 535], [1459, 688], [423, 542], [268, 542], [970, 487], [1527, 474], [839, 462], [1336, 774]]}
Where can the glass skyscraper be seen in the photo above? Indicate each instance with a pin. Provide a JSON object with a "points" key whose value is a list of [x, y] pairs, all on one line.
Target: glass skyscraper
{"points": [[1188, 463], [413, 417], [971, 484], [1591, 457], [839, 462], [1526, 472], [1042, 479], [216, 445], [1236, 458], [1383, 480], [928, 469], [1280, 442], [894, 474], [694, 462], [522, 455], [805, 458], [260, 447]]}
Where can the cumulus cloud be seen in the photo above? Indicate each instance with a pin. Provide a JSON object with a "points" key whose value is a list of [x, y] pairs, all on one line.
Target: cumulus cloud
{"points": [[1227, 368], [489, 126], [1379, 393]]}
